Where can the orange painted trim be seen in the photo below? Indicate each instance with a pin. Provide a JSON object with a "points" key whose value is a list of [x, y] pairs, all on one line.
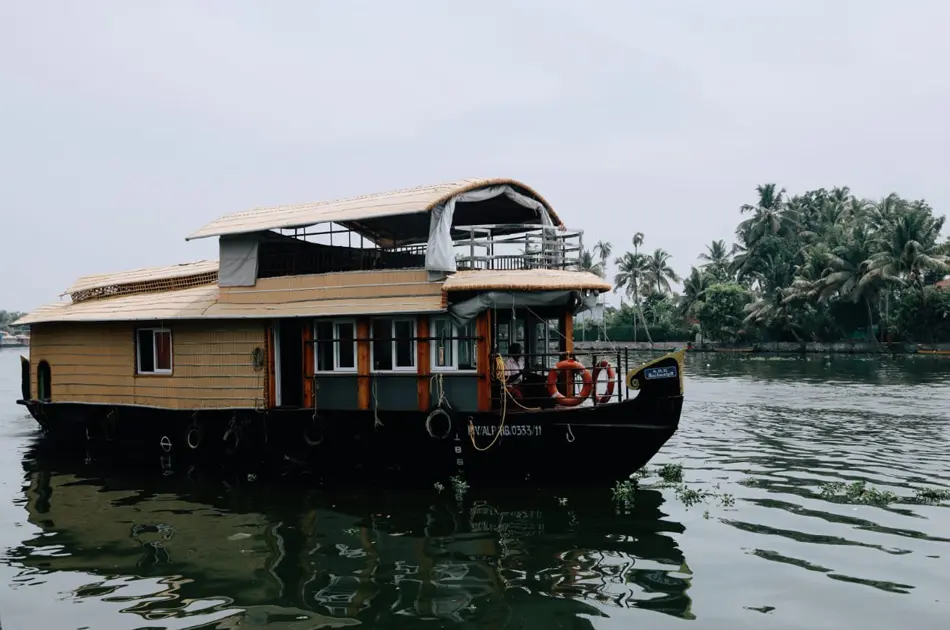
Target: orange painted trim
{"points": [[362, 363], [483, 360], [423, 364], [271, 368], [308, 368], [567, 332]]}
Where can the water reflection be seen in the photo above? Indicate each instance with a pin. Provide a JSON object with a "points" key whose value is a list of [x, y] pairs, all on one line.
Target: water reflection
{"points": [[112, 548], [200, 551]]}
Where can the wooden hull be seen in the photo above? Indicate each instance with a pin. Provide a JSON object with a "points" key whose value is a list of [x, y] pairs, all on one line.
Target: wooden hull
{"points": [[514, 445], [586, 444]]}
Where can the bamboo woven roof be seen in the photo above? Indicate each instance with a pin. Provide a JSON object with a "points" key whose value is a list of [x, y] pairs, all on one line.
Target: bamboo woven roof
{"points": [[353, 209], [145, 274], [525, 280], [202, 303], [144, 280]]}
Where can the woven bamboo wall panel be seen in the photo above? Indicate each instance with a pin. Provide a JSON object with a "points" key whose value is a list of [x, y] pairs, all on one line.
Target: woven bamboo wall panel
{"points": [[333, 286], [95, 363]]}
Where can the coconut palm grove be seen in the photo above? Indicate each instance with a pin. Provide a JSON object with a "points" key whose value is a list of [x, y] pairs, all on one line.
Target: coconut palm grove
{"points": [[824, 265]]}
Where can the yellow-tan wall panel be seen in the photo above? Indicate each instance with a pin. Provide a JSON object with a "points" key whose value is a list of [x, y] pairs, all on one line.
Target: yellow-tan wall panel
{"points": [[333, 286], [95, 363]]}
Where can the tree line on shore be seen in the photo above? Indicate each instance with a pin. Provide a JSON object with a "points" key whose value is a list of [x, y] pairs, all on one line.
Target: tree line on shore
{"points": [[7, 318], [825, 265]]}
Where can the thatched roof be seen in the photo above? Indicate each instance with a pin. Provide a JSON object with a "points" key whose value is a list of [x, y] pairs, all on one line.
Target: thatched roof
{"points": [[203, 303], [144, 280], [525, 280], [378, 215]]}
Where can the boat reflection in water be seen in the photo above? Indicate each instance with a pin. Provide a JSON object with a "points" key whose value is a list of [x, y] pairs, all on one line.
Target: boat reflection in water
{"points": [[289, 557]]}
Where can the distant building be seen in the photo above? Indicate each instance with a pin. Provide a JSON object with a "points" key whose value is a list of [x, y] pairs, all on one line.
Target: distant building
{"points": [[594, 315]]}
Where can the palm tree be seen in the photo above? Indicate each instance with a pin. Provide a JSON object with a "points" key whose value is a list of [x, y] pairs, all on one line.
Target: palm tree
{"points": [[694, 290], [882, 214], [637, 241], [603, 249], [849, 274], [909, 249], [659, 271], [585, 262], [718, 260], [631, 267], [771, 310], [771, 215]]}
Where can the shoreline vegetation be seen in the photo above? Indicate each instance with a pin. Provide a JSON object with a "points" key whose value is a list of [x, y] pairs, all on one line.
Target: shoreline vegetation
{"points": [[821, 271], [769, 348], [7, 318]]}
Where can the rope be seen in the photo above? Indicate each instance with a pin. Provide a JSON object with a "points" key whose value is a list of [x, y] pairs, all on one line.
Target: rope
{"points": [[314, 418], [501, 377], [439, 384], [503, 380], [376, 421]]}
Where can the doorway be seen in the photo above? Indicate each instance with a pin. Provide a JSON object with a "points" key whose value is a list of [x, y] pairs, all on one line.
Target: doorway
{"points": [[25, 378], [44, 382], [288, 340]]}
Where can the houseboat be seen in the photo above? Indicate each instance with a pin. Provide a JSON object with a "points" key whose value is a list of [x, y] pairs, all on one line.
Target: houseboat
{"points": [[425, 331]]}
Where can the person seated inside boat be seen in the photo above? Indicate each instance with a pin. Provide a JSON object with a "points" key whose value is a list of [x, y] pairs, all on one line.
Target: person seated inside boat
{"points": [[514, 369]]}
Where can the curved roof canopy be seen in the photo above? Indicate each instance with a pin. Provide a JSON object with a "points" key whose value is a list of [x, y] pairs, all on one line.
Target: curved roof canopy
{"points": [[399, 216]]}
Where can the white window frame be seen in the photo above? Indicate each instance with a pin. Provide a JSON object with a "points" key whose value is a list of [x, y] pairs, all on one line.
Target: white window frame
{"points": [[336, 347], [392, 344], [138, 351], [434, 349]]}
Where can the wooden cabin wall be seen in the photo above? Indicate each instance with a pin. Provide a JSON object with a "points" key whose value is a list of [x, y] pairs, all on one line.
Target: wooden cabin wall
{"points": [[95, 363], [333, 286]]}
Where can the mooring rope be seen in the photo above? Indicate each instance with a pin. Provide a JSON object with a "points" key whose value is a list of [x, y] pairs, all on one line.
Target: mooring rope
{"points": [[439, 384], [376, 421]]}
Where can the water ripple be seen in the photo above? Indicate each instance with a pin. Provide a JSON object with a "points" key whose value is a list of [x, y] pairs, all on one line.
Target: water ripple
{"points": [[94, 547]]}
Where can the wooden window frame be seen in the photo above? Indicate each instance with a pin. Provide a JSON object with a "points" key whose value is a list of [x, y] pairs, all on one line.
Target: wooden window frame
{"points": [[171, 352], [392, 344], [337, 369]]}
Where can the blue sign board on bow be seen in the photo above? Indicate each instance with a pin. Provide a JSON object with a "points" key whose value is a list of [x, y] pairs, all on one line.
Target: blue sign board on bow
{"points": [[655, 373]]}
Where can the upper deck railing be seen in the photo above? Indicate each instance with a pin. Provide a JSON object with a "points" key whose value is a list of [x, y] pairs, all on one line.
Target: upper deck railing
{"points": [[505, 247], [502, 247]]}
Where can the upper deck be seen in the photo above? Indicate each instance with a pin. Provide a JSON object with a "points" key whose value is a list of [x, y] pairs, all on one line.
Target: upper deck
{"points": [[491, 224], [407, 250]]}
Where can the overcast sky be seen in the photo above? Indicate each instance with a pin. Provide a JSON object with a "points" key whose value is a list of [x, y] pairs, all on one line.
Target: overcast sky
{"points": [[126, 125]]}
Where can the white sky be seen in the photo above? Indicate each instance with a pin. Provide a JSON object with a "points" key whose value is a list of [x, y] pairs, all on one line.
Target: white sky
{"points": [[125, 125]]}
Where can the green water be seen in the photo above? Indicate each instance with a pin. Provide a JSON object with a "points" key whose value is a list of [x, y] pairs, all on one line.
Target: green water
{"points": [[86, 546]]}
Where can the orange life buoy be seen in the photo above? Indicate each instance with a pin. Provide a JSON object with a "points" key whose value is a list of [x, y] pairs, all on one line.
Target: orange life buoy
{"points": [[569, 401], [611, 378]]}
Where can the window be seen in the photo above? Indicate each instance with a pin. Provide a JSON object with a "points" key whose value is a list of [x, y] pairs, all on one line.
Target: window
{"points": [[453, 347], [394, 344], [505, 327], [154, 350], [336, 345]]}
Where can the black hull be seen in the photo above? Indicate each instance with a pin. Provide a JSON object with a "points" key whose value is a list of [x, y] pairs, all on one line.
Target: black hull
{"points": [[566, 446]]}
